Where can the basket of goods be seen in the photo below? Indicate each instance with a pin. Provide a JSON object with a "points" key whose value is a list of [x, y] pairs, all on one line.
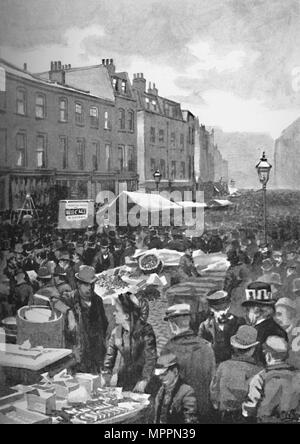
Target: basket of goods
{"points": [[150, 263]]}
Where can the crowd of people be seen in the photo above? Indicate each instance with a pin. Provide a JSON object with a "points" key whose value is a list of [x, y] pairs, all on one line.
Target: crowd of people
{"points": [[239, 364]]}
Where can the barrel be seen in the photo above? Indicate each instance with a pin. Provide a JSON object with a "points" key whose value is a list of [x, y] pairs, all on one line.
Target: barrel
{"points": [[10, 329], [46, 333]]}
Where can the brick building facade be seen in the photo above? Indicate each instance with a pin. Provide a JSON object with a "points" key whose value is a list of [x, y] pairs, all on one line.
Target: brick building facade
{"points": [[165, 139], [61, 128]]}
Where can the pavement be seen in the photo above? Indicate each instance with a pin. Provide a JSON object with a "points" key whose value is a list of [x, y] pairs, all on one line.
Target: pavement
{"points": [[158, 307]]}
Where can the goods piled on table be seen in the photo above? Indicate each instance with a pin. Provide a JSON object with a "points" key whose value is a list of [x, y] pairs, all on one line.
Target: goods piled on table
{"points": [[150, 263]]}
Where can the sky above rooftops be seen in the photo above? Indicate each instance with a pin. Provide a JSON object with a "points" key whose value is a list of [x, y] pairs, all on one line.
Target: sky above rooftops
{"points": [[234, 63]]}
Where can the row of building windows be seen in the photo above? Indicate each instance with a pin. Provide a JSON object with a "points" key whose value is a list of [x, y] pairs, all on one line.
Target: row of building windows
{"points": [[125, 160], [40, 112], [161, 137], [169, 110], [119, 85], [175, 173]]}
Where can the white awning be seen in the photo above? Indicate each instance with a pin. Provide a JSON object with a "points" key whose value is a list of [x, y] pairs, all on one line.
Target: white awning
{"points": [[190, 204]]}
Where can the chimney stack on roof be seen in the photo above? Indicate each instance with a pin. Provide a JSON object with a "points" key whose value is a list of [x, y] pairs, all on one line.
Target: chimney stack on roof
{"points": [[25, 67], [139, 82], [57, 73], [152, 90], [109, 63]]}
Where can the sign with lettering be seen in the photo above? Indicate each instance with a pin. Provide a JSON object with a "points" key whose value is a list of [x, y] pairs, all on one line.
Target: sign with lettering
{"points": [[75, 214], [76, 210]]}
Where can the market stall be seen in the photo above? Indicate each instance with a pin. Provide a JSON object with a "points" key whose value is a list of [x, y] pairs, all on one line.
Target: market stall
{"points": [[72, 400]]}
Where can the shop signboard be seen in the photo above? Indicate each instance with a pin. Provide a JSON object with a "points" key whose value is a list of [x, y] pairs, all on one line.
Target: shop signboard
{"points": [[75, 214]]}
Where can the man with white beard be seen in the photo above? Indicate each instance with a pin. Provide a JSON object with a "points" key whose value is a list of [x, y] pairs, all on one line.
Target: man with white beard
{"points": [[260, 307]]}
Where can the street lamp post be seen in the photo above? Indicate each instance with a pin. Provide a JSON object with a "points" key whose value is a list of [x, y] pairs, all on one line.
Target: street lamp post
{"points": [[157, 178], [263, 170]]}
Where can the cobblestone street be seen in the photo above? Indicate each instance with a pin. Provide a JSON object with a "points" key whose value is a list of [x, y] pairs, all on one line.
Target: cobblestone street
{"points": [[158, 307]]}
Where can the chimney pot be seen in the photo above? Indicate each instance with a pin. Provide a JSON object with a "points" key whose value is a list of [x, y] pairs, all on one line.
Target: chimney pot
{"points": [[111, 61], [142, 75], [25, 67], [149, 85], [59, 65], [134, 76], [103, 61], [70, 66]]}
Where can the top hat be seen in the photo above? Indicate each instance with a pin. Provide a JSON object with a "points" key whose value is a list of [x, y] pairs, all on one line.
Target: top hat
{"points": [[246, 337], [258, 293], [177, 310], [216, 298], [86, 274], [164, 362]]}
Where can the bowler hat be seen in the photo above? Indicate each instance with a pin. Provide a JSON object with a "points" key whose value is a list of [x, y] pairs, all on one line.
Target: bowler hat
{"points": [[164, 362], [104, 243], [44, 273], [258, 293], [177, 310], [246, 337], [217, 297], [86, 274]]}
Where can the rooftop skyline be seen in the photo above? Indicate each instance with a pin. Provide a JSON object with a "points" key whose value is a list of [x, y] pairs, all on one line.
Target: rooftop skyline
{"points": [[234, 63]]}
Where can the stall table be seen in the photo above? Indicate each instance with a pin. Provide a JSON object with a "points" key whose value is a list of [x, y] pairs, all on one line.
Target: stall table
{"points": [[19, 368]]}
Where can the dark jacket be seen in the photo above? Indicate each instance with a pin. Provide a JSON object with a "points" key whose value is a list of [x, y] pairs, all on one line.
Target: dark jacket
{"points": [[135, 354], [23, 295], [196, 365], [220, 339], [88, 339], [267, 328], [274, 393], [103, 264], [230, 385], [181, 408]]}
